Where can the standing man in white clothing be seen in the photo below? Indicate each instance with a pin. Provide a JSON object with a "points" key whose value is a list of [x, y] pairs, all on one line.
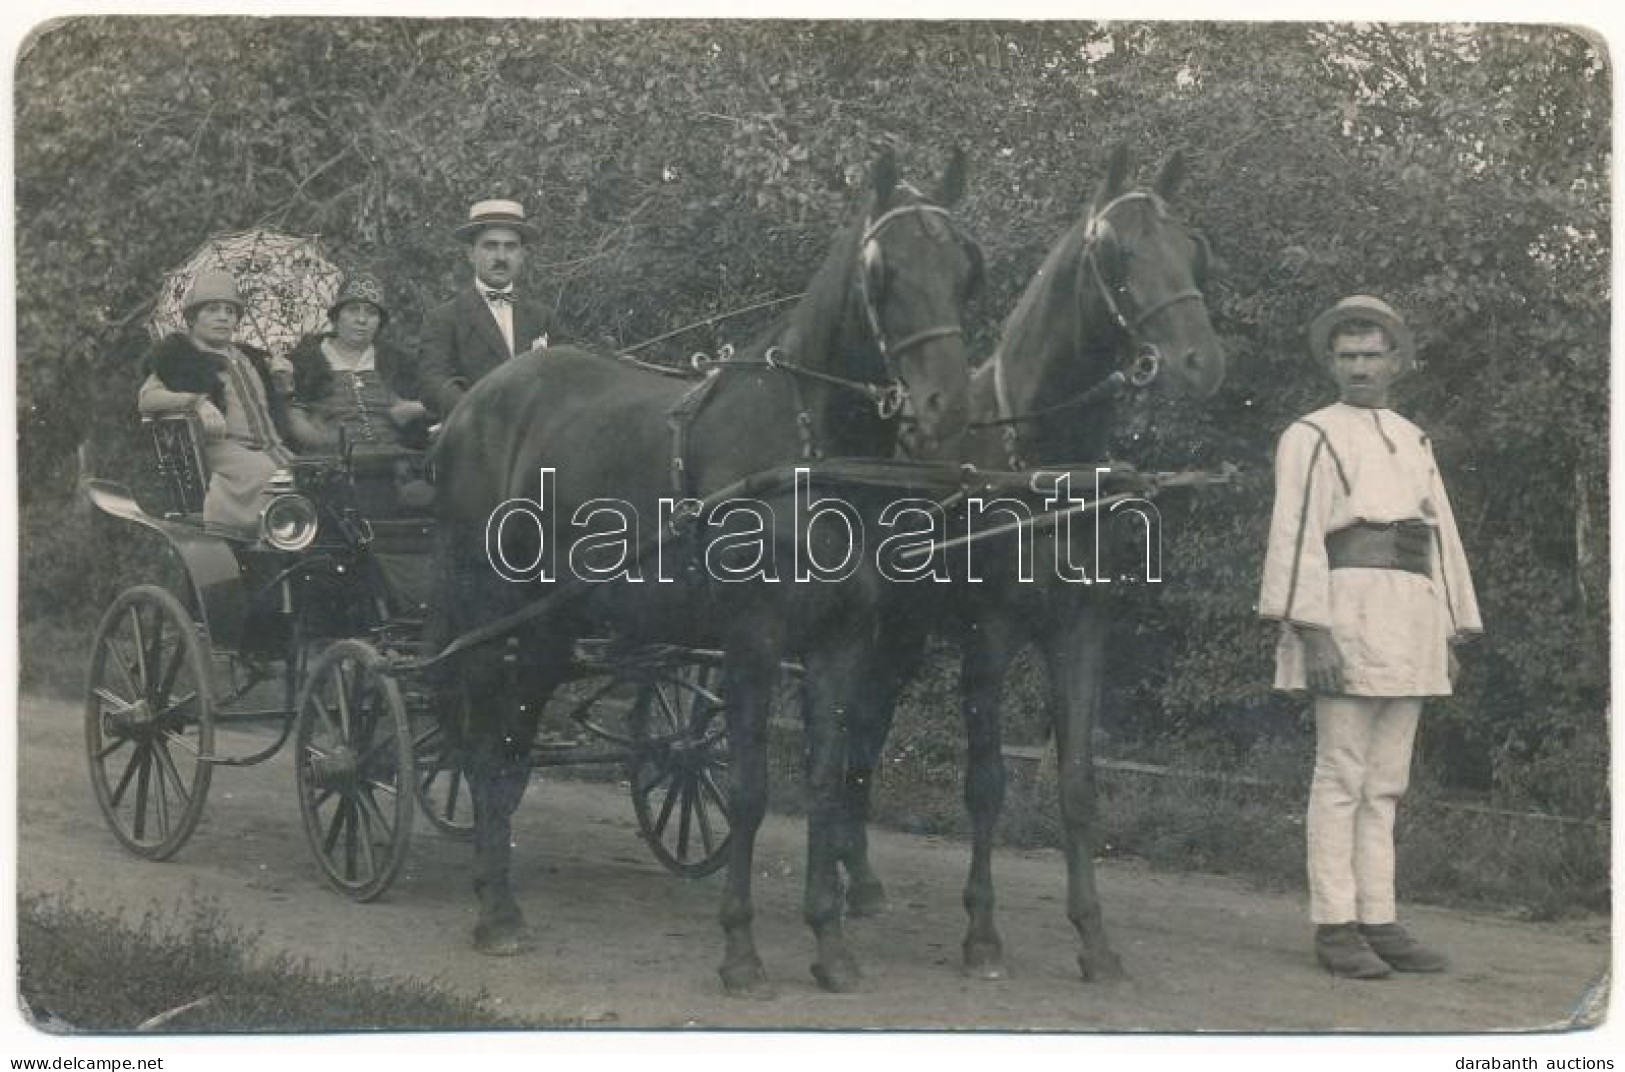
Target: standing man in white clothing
{"points": [[1366, 574]]}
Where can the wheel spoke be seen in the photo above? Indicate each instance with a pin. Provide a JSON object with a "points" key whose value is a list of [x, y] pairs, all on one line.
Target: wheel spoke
{"points": [[143, 782], [162, 795], [167, 680], [325, 715], [684, 818], [350, 828], [166, 763], [670, 706], [364, 828], [140, 637], [107, 750], [707, 835], [152, 657], [710, 787], [180, 741], [665, 809], [108, 696], [334, 828], [370, 809], [129, 772], [344, 701], [116, 654]]}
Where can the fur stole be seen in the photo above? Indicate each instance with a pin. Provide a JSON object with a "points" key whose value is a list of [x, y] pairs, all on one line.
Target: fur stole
{"points": [[181, 366]]}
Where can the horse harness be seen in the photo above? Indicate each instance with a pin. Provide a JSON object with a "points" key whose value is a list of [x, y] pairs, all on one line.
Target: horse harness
{"points": [[1138, 373], [889, 398]]}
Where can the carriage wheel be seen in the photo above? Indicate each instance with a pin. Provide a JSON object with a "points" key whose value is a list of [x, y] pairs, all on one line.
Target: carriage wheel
{"points": [[149, 721], [679, 770], [353, 766], [442, 789]]}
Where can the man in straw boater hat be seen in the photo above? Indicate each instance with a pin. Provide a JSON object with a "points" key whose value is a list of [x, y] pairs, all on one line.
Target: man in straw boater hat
{"points": [[488, 322], [229, 386], [1366, 574]]}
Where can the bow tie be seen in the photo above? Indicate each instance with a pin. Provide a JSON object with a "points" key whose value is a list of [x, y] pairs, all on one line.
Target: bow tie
{"points": [[499, 296]]}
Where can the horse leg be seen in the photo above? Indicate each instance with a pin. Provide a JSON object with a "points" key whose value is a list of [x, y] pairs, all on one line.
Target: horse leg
{"points": [[987, 648], [896, 656], [833, 674], [750, 672], [496, 749], [1075, 657]]}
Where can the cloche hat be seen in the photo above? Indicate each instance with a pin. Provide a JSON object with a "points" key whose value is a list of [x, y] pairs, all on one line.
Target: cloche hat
{"points": [[211, 286], [1362, 307], [497, 213], [360, 287]]}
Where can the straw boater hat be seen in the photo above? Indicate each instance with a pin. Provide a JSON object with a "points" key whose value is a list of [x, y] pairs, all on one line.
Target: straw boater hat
{"points": [[485, 214], [211, 286], [1362, 307], [360, 288]]}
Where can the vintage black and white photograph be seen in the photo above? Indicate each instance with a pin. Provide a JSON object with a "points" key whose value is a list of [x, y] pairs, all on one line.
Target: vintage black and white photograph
{"points": [[952, 525]]}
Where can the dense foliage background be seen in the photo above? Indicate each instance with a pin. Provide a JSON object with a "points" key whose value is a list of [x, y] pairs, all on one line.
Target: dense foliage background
{"points": [[682, 169]]}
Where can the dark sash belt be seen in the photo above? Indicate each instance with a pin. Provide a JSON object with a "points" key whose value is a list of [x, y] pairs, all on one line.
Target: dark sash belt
{"points": [[1395, 545]]}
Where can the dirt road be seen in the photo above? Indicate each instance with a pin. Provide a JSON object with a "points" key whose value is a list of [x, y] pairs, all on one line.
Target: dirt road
{"points": [[619, 943]]}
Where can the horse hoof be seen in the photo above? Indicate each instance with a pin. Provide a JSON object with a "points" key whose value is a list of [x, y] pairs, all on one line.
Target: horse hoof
{"points": [[838, 977], [985, 963], [747, 981], [1102, 968], [499, 940], [866, 899]]}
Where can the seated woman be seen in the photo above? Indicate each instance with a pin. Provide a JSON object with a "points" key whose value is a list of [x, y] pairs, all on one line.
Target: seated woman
{"points": [[349, 379], [229, 387]]}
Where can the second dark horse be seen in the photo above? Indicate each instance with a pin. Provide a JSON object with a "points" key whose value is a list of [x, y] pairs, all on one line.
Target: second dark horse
{"points": [[1117, 299], [881, 321]]}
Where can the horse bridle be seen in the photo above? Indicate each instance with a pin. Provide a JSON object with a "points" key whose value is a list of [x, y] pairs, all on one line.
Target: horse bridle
{"points": [[892, 396], [1137, 373]]}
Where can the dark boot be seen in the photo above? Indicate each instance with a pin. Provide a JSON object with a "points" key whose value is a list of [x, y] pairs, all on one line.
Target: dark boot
{"points": [[1395, 945], [1343, 952]]}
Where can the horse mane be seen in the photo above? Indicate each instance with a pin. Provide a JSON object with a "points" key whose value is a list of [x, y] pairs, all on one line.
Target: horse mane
{"points": [[1025, 328], [817, 318]]}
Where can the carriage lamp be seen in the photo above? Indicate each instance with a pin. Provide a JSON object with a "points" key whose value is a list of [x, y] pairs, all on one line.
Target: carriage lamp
{"points": [[288, 522]]}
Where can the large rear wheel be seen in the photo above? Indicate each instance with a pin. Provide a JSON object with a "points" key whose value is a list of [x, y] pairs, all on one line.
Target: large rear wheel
{"points": [[353, 764], [149, 721]]}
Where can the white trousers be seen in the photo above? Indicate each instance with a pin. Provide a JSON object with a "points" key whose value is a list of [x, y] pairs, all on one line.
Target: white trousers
{"points": [[1363, 750]]}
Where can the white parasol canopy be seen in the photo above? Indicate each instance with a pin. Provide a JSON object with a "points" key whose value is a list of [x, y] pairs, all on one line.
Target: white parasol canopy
{"points": [[286, 282]]}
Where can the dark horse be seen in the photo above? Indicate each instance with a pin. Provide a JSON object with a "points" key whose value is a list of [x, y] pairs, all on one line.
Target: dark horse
{"points": [[1120, 292], [881, 320]]}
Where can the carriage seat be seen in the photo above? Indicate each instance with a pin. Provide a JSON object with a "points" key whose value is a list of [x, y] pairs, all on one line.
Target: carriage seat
{"points": [[183, 471]]}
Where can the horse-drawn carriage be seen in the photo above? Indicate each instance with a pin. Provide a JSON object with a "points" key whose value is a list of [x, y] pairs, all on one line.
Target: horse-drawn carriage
{"points": [[314, 632], [877, 337]]}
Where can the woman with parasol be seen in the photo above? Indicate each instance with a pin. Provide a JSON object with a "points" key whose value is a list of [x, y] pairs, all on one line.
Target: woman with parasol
{"points": [[228, 386]]}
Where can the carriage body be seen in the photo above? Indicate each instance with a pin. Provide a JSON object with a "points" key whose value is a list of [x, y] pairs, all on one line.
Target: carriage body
{"points": [[314, 632]]}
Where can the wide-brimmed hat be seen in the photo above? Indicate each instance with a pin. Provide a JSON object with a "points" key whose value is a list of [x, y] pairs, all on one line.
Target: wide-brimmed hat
{"points": [[1362, 307], [360, 287], [212, 286], [498, 213]]}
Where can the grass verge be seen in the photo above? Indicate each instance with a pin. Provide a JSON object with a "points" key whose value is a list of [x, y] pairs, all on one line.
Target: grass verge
{"points": [[83, 970]]}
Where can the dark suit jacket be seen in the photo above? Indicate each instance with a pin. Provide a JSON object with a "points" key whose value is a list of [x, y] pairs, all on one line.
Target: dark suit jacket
{"points": [[461, 343]]}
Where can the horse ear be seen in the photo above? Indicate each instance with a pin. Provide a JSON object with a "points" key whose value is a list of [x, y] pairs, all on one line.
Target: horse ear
{"points": [[885, 176], [1116, 175], [1170, 176], [952, 187]]}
